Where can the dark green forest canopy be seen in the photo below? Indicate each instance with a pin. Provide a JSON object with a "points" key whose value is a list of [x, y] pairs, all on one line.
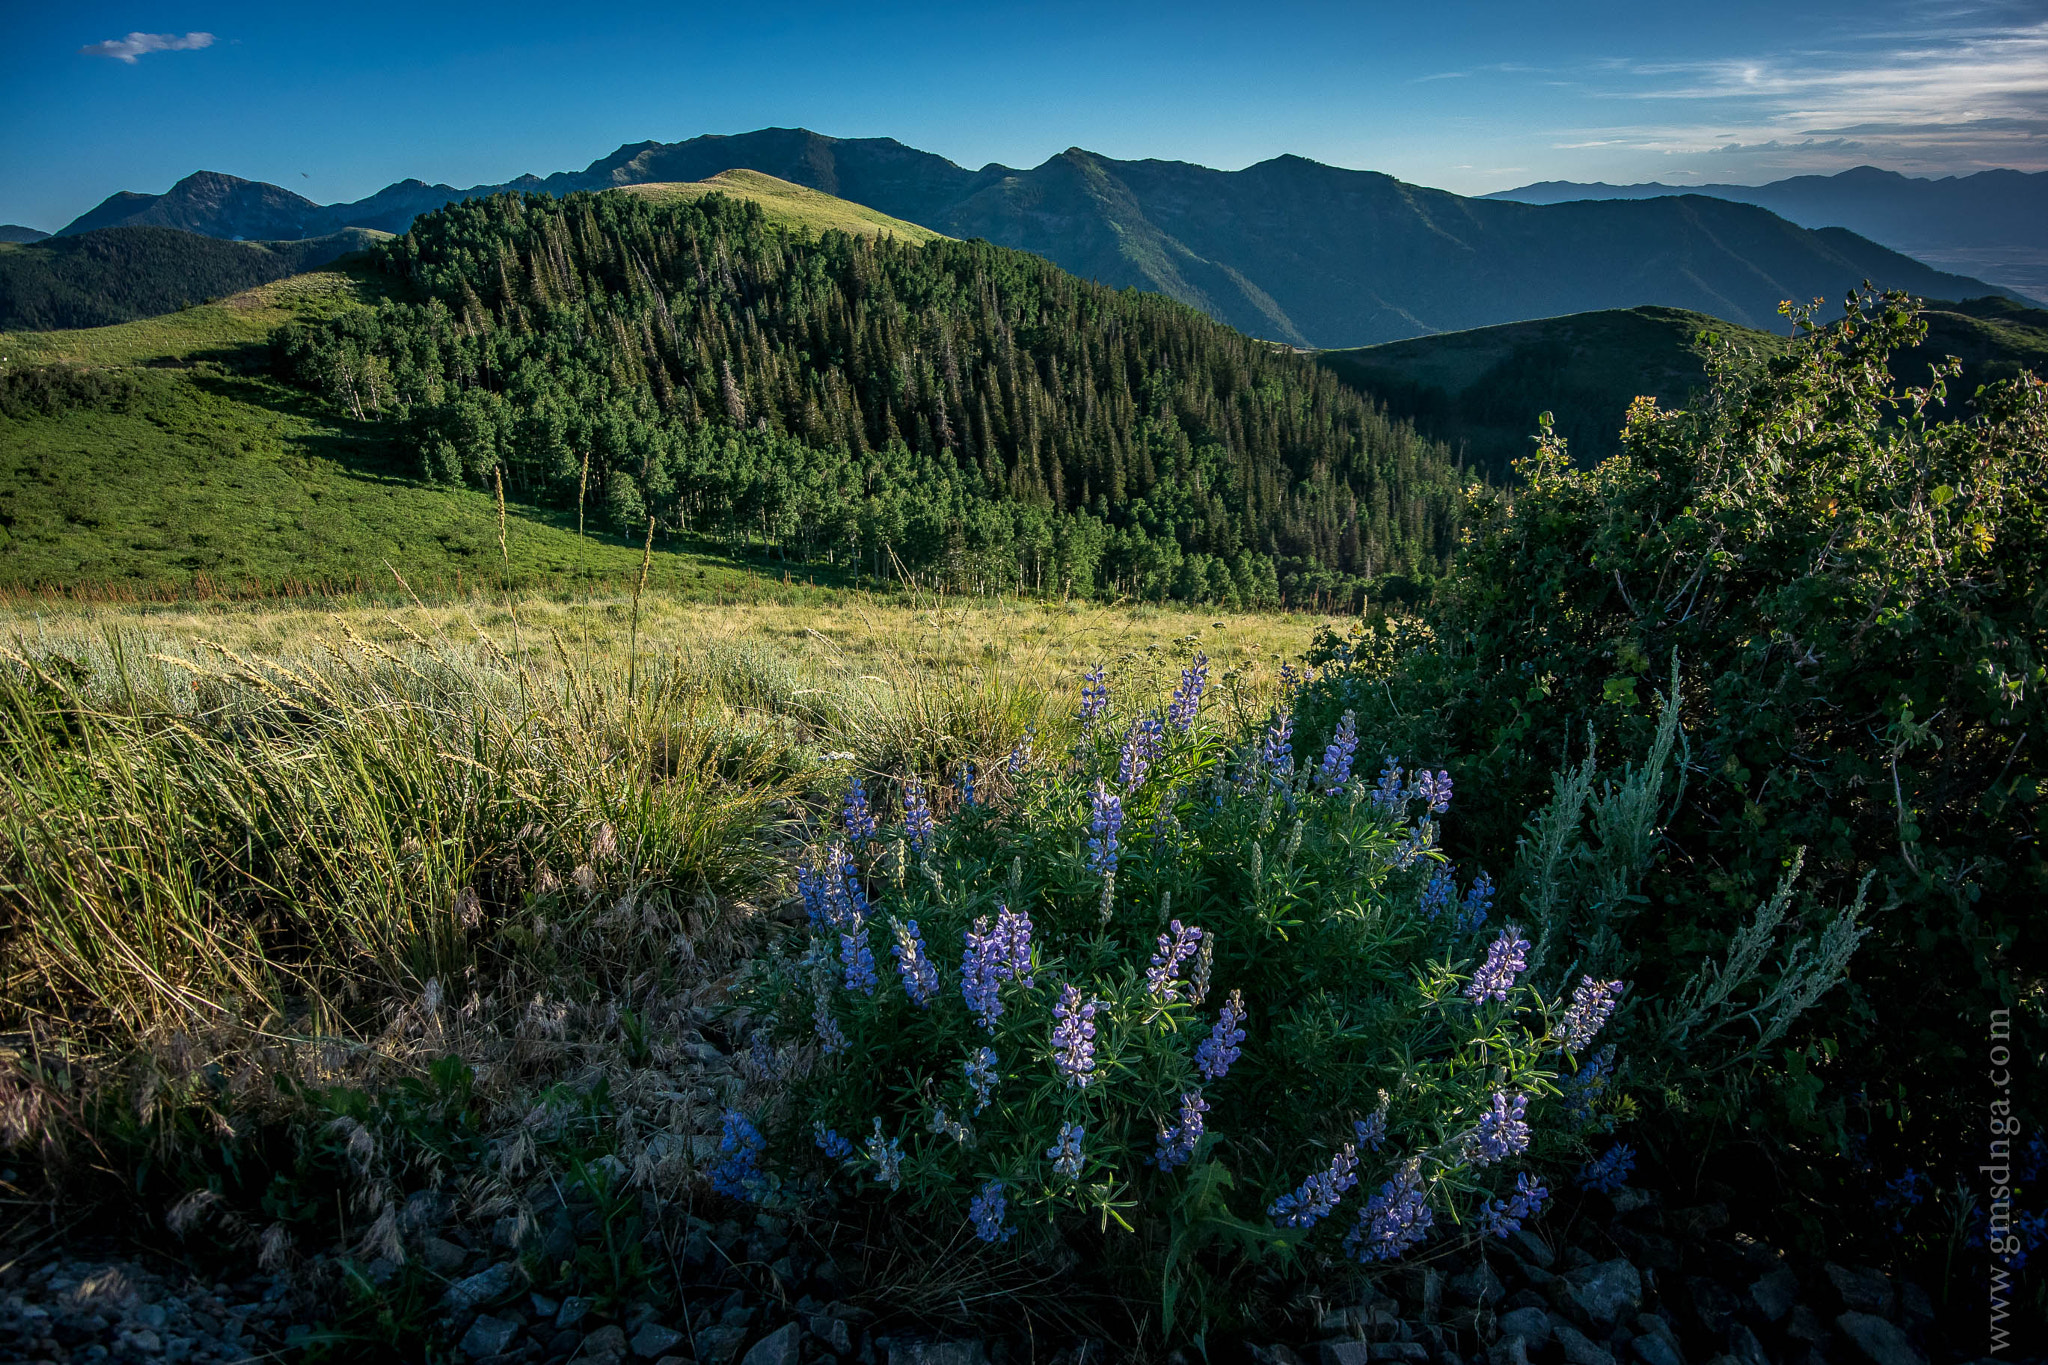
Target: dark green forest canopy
{"points": [[968, 411]]}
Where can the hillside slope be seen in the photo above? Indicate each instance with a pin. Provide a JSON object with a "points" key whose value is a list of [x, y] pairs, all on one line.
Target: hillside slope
{"points": [[158, 455], [1481, 391], [1288, 249], [1993, 224], [120, 274]]}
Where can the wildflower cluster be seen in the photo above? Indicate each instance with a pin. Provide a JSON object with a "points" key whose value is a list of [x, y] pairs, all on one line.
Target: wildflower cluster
{"points": [[1187, 698], [1077, 1057], [737, 1172]]}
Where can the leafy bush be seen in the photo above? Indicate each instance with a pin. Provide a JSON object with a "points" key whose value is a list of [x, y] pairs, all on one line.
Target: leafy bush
{"points": [[1172, 994], [1854, 597]]}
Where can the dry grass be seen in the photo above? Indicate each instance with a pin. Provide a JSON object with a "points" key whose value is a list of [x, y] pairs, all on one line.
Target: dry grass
{"points": [[792, 205]]}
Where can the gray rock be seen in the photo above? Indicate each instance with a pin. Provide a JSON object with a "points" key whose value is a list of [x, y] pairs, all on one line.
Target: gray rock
{"points": [[1422, 1288], [1652, 1349], [1343, 1353], [1806, 1326], [779, 1347], [1509, 1350], [606, 1344], [1914, 1305], [1863, 1290], [1532, 1248], [717, 1345], [1275, 1354], [1775, 1294], [1413, 1352], [564, 1342], [1606, 1292], [487, 1336], [834, 1332], [146, 1342], [654, 1340], [1580, 1349], [442, 1257], [492, 1282], [1531, 1324], [1478, 1285], [910, 1351], [1743, 1346], [150, 1315], [1880, 1342], [573, 1310]]}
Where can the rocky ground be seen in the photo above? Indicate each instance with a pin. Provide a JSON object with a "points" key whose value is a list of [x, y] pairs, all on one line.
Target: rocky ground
{"points": [[1617, 1282]]}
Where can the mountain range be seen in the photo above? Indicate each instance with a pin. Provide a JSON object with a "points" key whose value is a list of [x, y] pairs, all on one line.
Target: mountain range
{"points": [[1993, 224], [1289, 249]]}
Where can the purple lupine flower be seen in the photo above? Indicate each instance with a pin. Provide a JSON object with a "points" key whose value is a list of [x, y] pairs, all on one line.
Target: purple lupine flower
{"points": [[810, 889], [1388, 793], [1371, 1131], [831, 894], [1020, 753], [914, 965], [1175, 947], [831, 1038], [918, 824], [1187, 698], [1223, 1045], [737, 1172], [1393, 1220], [1276, 750], [966, 785], [1317, 1195], [1106, 822], [1065, 1152], [1073, 1036], [1441, 895], [995, 955], [987, 1211], [1505, 960], [859, 819], [1610, 1171], [1592, 1005], [1503, 1216], [1502, 1132], [1434, 789], [1094, 696], [858, 958], [946, 1125], [1141, 746], [887, 1154], [982, 1076], [1478, 900], [1335, 769], [1177, 1144], [830, 1143], [1582, 1089]]}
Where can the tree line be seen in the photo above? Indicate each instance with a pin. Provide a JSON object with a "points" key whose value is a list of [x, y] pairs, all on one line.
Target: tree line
{"points": [[956, 410]]}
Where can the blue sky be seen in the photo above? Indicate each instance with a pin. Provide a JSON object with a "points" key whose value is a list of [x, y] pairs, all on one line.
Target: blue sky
{"points": [[337, 101]]}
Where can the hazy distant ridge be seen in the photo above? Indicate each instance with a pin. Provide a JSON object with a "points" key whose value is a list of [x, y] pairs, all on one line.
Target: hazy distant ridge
{"points": [[1992, 224]]}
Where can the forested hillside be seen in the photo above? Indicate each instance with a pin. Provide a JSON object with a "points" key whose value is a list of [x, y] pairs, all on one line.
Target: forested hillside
{"points": [[963, 411], [123, 273]]}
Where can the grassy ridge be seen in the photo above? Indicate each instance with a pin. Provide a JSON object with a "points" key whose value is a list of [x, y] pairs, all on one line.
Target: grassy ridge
{"points": [[788, 205]]}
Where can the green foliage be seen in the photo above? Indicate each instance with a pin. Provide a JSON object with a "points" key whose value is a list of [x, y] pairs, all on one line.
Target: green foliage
{"points": [[119, 274], [1307, 891], [968, 413], [1852, 590]]}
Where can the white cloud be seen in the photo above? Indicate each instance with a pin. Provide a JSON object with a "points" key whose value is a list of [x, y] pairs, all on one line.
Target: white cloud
{"points": [[1955, 95], [140, 44]]}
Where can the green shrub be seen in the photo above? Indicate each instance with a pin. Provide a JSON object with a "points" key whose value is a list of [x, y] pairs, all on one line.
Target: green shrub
{"points": [[1856, 598], [1051, 1060]]}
